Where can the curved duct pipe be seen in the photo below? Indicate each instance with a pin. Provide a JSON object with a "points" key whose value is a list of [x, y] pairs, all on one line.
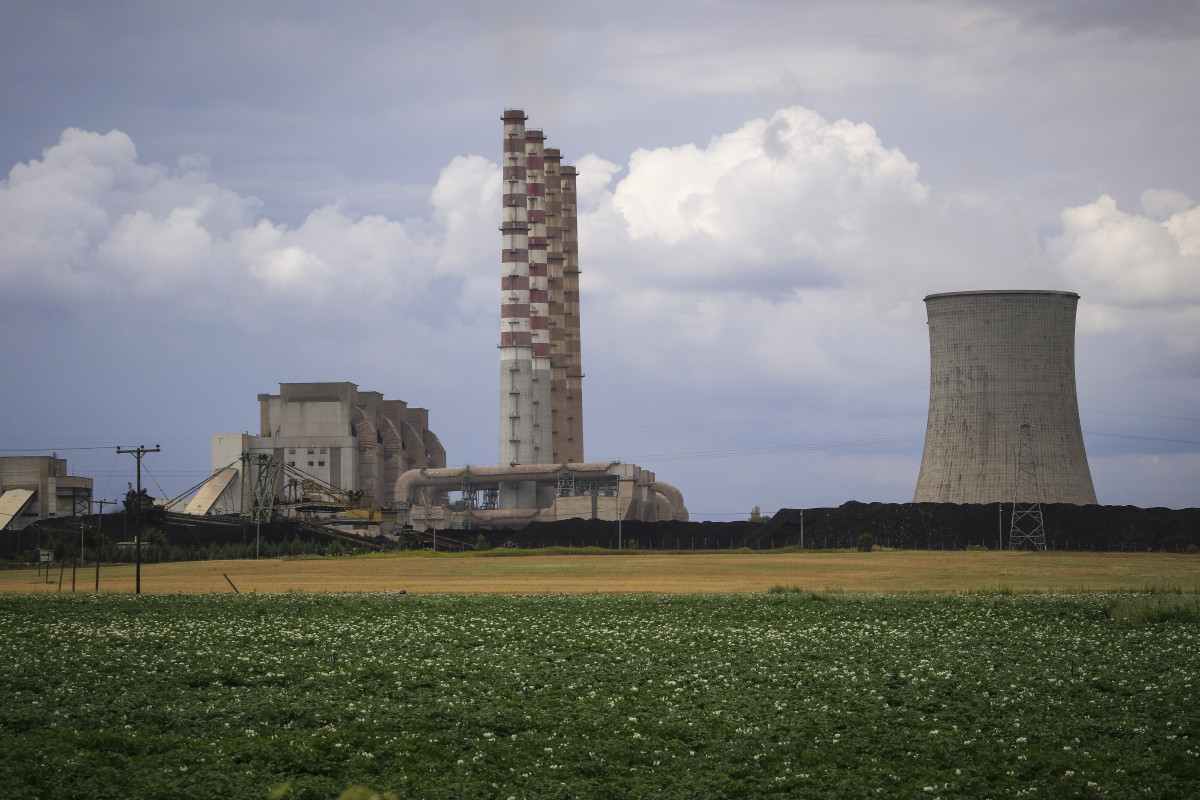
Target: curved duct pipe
{"points": [[367, 455], [452, 477], [416, 447], [679, 511], [433, 445], [393, 454], [662, 508]]}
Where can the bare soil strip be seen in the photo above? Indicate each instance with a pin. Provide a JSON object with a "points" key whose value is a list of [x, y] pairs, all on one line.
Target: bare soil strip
{"points": [[878, 572]]}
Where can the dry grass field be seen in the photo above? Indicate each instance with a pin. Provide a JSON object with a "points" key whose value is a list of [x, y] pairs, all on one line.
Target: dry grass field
{"points": [[877, 572]]}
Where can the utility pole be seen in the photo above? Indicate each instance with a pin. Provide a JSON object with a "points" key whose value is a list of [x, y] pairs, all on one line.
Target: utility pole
{"points": [[618, 512], [75, 561], [99, 523], [137, 453]]}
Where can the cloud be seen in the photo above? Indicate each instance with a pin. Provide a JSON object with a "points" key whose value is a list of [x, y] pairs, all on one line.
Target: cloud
{"points": [[793, 251], [1138, 272], [88, 222], [775, 271], [777, 193]]}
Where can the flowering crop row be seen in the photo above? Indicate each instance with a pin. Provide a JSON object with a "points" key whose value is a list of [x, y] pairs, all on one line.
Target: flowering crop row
{"points": [[775, 695]]}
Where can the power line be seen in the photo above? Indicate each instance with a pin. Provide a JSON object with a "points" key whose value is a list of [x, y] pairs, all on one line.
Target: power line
{"points": [[749, 423], [1144, 416], [54, 449], [790, 448], [1140, 438]]}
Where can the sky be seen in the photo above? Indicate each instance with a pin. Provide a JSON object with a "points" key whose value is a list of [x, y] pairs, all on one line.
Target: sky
{"points": [[199, 201]]}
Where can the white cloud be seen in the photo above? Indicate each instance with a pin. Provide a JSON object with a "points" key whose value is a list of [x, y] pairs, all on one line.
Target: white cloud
{"points": [[88, 222], [789, 188], [793, 251], [1138, 273]]}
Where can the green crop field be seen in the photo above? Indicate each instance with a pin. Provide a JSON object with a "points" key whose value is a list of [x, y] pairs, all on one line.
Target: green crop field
{"points": [[777, 694]]}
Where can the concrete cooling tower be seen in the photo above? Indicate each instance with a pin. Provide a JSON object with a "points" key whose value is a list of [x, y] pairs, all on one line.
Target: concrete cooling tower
{"points": [[996, 356]]}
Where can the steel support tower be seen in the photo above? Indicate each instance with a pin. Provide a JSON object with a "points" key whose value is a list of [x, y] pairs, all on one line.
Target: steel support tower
{"points": [[1027, 528]]}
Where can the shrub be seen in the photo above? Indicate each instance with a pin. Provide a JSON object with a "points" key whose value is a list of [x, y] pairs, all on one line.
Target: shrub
{"points": [[865, 543], [1192, 549]]}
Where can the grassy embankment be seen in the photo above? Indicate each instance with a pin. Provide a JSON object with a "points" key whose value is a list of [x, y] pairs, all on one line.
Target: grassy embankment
{"points": [[570, 573]]}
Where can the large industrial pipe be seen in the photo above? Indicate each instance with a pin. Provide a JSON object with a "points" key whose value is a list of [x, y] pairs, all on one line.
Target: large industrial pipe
{"points": [[674, 497], [452, 477]]}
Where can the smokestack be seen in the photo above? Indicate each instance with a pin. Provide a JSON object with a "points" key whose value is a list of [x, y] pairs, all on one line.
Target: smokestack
{"points": [[516, 340], [568, 429], [992, 356], [541, 398], [539, 296]]}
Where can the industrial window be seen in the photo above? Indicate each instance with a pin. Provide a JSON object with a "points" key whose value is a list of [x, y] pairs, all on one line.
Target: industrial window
{"points": [[310, 463], [292, 452], [320, 463], [291, 463]]}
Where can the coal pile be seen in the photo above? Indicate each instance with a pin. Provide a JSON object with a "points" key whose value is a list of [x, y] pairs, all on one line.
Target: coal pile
{"points": [[924, 526]]}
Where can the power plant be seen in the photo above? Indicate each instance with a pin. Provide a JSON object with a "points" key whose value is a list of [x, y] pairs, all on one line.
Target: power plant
{"points": [[999, 360], [542, 475], [339, 448], [1003, 411]]}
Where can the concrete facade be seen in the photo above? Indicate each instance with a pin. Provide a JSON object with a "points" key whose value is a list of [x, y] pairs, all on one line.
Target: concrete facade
{"points": [[355, 440], [56, 493], [994, 356]]}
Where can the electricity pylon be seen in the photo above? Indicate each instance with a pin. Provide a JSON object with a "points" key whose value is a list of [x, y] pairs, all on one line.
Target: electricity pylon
{"points": [[1027, 528]]}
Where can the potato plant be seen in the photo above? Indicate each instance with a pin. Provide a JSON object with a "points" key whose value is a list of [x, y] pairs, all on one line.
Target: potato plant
{"points": [[782, 694]]}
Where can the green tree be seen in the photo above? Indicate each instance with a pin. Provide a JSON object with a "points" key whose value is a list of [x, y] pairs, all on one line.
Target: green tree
{"points": [[865, 543]]}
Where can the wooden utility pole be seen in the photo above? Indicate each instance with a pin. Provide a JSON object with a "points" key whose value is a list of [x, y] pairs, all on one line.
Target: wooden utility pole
{"points": [[99, 523], [137, 453]]}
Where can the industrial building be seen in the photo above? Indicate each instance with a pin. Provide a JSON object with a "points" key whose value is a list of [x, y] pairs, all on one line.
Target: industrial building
{"points": [[1000, 360], [333, 434], [40, 487]]}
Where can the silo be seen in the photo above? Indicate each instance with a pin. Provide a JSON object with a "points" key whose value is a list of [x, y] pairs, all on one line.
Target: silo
{"points": [[995, 357]]}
